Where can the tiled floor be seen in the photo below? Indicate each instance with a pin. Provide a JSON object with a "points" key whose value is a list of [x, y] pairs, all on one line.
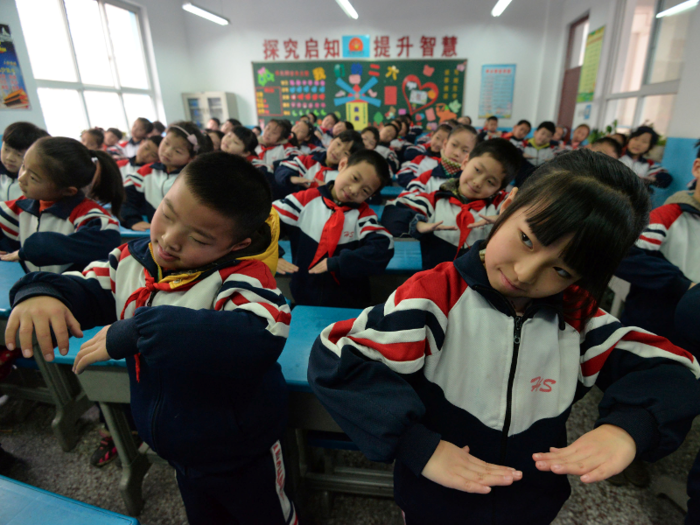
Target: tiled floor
{"points": [[69, 474]]}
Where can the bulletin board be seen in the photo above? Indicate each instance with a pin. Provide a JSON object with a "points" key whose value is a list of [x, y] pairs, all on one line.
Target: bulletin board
{"points": [[361, 91], [591, 61]]}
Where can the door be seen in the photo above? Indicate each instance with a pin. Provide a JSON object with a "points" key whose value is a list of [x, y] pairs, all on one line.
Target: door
{"points": [[578, 32]]}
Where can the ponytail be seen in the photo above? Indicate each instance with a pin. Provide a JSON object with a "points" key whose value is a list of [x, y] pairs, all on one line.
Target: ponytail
{"points": [[67, 162], [108, 186]]}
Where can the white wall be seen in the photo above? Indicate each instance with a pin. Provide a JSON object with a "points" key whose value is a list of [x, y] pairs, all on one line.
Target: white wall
{"points": [[686, 113], [10, 16], [221, 56]]}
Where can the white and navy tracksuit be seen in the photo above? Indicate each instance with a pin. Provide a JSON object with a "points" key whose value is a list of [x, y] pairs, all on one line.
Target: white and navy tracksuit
{"points": [[311, 146], [130, 147], [271, 156], [128, 167], [349, 235], [539, 154], [645, 168], [402, 215], [430, 181], [663, 263], [207, 393], [417, 165], [390, 155], [447, 358], [65, 236], [145, 190], [9, 185], [310, 167]]}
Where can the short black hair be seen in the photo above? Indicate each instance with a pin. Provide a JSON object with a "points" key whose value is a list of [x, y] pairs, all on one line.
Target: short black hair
{"points": [[115, 132], [641, 130], [611, 142], [21, 135], [463, 127], [492, 118], [147, 124], [156, 139], [258, 128], [548, 125], [234, 122], [335, 117], [444, 127], [158, 126], [502, 151], [527, 122], [313, 115], [379, 163], [216, 132], [374, 131], [232, 187], [97, 134], [350, 135], [349, 125], [248, 138], [203, 141], [218, 122]]}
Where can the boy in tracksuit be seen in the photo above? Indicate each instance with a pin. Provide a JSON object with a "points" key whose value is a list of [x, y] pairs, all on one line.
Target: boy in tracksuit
{"points": [[337, 242], [318, 168], [16, 140], [664, 262], [199, 319], [443, 220], [146, 154], [421, 158], [140, 129]]}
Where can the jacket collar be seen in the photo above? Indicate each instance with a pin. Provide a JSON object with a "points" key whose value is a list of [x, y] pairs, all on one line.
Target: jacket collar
{"points": [[325, 191], [474, 274], [61, 209], [161, 167], [320, 156], [132, 162], [5, 171]]}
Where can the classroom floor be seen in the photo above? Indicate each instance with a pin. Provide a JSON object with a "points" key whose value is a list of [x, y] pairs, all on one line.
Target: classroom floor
{"points": [[46, 466]]}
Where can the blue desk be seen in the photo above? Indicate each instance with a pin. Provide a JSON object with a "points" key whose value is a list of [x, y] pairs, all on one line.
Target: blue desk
{"points": [[130, 235], [406, 260], [22, 504], [391, 192], [10, 273], [378, 209]]}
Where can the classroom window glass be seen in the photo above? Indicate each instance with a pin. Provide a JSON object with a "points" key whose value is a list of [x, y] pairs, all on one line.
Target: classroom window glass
{"points": [[139, 106], [623, 110], [89, 42], [105, 110], [128, 52], [657, 110], [636, 32], [63, 112], [668, 44]]}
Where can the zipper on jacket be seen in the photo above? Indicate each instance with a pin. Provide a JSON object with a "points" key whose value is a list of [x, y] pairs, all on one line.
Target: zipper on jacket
{"points": [[511, 379], [159, 396]]}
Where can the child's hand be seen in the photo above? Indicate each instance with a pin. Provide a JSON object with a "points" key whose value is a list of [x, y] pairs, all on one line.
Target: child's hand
{"points": [[300, 181], [284, 267], [41, 314], [528, 156], [321, 267], [595, 456], [141, 226], [92, 351], [486, 219], [10, 257], [455, 468], [429, 227]]}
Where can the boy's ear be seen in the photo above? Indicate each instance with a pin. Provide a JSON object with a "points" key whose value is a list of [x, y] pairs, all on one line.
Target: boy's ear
{"points": [[696, 169], [241, 245], [509, 199], [69, 192], [343, 164]]}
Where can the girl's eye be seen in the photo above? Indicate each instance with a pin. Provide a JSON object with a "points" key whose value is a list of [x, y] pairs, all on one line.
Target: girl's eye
{"points": [[562, 273], [526, 240]]}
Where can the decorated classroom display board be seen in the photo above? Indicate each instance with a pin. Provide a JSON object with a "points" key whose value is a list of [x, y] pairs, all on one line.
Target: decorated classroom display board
{"points": [[591, 61], [497, 89], [361, 91]]}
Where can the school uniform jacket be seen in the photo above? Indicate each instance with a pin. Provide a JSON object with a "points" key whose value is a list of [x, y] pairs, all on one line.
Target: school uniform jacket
{"points": [[207, 393], [413, 168], [307, 148], [9, 184], [128, 167], [130, 147], [663, 263], [390, 155], [418, 150], [539, 155], [447, 358], [402, 215], [144, 191], [645, 168], [356, 248], [272, 156], [311, 167], [430, 181], [68, 235]]}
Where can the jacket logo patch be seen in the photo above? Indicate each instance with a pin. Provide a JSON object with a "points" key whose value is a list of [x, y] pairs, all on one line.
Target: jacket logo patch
{"points": [[541, 385], [349, 235]]}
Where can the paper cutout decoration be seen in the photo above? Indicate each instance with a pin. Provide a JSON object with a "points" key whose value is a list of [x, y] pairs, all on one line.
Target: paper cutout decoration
{"points": [[421, 87], [432, 126], [340, 93], [391, 113], [265, 76], [373, 70], [392, 71], [378, 117], [444, 113], [411, 85], [402, 111], [339, 70], [418, 97], [355, 79], [319, 74], [430, 113], [428, 71], [462, 66], [419, 117], [390, 95], [455, 106], [356, 69]]}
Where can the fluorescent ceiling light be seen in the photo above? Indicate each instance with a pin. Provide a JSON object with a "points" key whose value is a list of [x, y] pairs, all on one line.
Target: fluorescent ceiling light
{"points": [[500, 7], [346, 6], [195, 10], [680, 8]]}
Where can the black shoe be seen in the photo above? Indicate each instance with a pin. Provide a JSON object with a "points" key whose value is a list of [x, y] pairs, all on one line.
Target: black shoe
{"points": [[638, 474]]}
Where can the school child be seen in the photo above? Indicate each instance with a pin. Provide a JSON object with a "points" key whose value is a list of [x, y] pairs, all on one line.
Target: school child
{"points": [[92, 138], [229, 124], [140, 129], [414, 130], [607, 145], [621, 139], [443, 221], [559, 137], [664, 262], [466, 376], [16, 140], [241, 141], [337, 242], [213, 124], [303, 133], [325, 130], [465, 120], [490, 130], [257, 130], [146, 154], [400, 141], [460, 142], [145, 189], [642, 141], [215, 414], [54, 227], [158, 129], [274, 145], [370, 137], [338, 128], [310, 171], [421, 158], [215, 136], [519, 132], [311, 118], [112, 137], [107, 186], [539, 149], [387, 134], [578, 138]]}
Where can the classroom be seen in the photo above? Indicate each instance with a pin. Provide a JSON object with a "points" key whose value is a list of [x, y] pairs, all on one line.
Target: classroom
{"points": [[347, 262]]}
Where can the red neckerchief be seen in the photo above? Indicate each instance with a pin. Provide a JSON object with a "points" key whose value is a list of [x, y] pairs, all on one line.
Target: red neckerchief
{"points": [[332, 231], [464, 219]]}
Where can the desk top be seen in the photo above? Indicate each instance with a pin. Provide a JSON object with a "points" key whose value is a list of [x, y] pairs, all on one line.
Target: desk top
{"points": [[129, 235], [10, 273], [391, 191], [26, 505], [407, 257]]}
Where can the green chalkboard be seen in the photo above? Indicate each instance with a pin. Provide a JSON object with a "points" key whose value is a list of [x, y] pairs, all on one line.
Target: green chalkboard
{"points": [[361, 91]]}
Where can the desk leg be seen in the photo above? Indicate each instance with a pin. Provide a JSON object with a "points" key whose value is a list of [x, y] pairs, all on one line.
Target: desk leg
{"points": [[134, 465]]}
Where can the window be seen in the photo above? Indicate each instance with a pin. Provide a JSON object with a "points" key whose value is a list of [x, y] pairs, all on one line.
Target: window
{"points": [[89, 63], [649, 64]]}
